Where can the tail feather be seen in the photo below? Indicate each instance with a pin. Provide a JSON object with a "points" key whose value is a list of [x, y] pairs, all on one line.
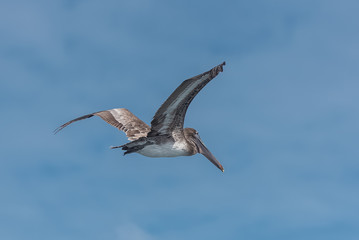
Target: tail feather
{"points": [[124, 147], [132, 146]]}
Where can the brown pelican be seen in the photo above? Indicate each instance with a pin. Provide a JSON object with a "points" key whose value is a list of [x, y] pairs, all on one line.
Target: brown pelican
{"points": [[166, 137]]}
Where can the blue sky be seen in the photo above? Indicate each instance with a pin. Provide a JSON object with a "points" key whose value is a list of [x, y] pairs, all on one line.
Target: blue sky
{"points": [[282, 119]]}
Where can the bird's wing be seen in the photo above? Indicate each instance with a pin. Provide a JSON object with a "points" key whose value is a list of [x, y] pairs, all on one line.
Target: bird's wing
{"points": [[120, 118], [170, 116]]}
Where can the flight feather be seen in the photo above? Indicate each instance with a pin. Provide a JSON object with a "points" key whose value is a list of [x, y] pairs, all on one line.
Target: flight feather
{"points": [[170, 116], [122, 119]]}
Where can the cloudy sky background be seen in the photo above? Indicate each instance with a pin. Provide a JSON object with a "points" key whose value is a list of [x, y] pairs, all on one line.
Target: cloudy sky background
{"points": [[282, 118]]}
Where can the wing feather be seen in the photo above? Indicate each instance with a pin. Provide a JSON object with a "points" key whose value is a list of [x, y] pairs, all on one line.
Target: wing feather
{"points": [[120, 118], [170, 116]]}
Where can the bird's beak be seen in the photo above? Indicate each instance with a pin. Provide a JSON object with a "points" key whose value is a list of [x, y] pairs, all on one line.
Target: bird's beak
{"points": [[204, 150]]}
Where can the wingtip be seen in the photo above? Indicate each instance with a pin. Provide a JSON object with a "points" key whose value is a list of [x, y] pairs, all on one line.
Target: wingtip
{"points": [[221, 66], [57, 130], [217, 69]]}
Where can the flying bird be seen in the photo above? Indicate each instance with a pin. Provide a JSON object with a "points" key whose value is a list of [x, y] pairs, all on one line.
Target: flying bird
{"points": [[166, 137]]}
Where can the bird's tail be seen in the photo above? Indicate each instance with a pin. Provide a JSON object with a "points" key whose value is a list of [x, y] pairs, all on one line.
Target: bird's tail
{"points": [[132, 146]]}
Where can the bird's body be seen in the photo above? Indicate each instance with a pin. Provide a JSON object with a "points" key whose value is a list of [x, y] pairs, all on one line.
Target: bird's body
{"points": [[161, 146], [167, 148], [166, 137]]}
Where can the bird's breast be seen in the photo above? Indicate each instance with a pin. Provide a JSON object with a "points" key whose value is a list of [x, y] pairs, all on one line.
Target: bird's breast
{"points": [[173, 149]]}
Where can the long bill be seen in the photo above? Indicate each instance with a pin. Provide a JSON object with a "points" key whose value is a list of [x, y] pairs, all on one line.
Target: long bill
{"points": [[204, 151]]}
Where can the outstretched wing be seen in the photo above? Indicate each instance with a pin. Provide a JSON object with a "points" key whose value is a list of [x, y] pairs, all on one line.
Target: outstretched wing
{"points": [[120, 118], [170, 116]]}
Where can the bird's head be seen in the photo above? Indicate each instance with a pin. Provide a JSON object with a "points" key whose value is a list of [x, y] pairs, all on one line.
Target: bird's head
{"points": [[192, 136]]}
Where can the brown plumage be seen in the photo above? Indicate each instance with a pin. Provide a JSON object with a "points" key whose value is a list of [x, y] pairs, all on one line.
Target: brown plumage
{"points": [[166, 136], [120, 118], [170, 112]]}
